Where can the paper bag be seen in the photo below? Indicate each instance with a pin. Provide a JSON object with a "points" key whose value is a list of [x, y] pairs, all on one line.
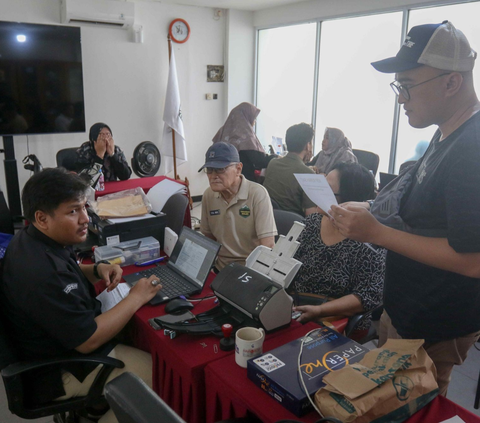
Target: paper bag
{"points": [[388, 385]]}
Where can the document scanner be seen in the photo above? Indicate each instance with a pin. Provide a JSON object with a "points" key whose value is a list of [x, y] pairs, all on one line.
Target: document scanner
{"points": [[254, 294]]}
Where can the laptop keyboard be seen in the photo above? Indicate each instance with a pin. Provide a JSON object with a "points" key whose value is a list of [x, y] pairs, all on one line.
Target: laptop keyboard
{"points": [[172, 285]]}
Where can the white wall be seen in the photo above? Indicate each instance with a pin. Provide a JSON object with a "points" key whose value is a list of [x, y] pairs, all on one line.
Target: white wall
{"points": [[125, 82], [241, 63]]}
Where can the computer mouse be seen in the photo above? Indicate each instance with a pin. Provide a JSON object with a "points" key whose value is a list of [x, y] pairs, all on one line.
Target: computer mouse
{"points": [[178, 306]]}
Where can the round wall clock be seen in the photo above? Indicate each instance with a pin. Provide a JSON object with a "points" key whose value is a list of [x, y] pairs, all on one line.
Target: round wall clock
{"points": [[179, 30]]}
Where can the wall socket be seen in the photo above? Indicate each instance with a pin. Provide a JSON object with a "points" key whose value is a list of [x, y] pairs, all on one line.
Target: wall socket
{"points": [[210, 96]]}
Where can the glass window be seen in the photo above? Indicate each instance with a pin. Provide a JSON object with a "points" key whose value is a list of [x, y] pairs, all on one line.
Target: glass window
{"points": [[465, 17], [286, 64], [352, 95]]}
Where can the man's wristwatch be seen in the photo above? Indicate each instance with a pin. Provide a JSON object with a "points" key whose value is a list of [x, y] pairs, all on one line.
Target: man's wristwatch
{"points": [[370, 203], [95, 268]]}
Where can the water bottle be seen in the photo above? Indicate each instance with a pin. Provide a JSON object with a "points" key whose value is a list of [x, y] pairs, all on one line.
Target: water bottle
{"points": [[101, 181]]}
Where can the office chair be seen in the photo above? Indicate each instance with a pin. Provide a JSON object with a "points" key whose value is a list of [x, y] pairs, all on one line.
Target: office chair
{"points": [[67, 158], [275, 205], [284, 220], [368, 159], [133, 401], [175, 209], [15, 376]]}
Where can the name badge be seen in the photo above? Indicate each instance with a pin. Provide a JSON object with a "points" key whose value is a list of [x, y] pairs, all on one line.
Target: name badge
{"points": [[214, 212]]}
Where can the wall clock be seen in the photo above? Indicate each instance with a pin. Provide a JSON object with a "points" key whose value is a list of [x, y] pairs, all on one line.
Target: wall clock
{"points": [[179, 30]]}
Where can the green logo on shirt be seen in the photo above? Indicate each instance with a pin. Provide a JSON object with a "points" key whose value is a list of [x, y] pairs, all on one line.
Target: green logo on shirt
{"points": [[244, 211]]}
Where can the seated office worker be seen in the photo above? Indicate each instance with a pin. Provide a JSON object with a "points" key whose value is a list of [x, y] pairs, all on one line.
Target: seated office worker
{"points": [[235, 211], [49, 300], [280, 180], [101, 149], [432, 281]]}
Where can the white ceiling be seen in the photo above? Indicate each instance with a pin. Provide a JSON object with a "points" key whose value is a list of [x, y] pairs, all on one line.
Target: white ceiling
{"points": [[251, 5]]}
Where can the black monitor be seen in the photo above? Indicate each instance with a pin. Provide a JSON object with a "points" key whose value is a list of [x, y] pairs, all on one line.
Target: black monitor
{"points": [[41, 79]]}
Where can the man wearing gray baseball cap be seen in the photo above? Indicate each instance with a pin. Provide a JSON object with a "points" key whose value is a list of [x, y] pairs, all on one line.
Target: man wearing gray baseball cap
{"points": [[236, 212], [432, 236]]}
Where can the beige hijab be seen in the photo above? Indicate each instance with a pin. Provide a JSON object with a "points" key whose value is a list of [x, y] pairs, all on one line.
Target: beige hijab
{"points": [[238, 128], [339, 150]]}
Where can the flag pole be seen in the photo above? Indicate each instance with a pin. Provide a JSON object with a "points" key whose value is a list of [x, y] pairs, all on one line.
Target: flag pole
{"points": [[175, 176]]}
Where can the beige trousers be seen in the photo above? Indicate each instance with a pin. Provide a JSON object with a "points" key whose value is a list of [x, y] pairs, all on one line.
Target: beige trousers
{"points": [[444, 354], [136, 361]]}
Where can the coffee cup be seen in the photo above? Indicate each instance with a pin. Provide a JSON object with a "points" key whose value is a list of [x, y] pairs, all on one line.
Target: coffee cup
{"points": [[248, 344]]}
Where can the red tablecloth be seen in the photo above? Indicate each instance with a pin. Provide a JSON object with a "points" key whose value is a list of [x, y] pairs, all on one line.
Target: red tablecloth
{"points": [[179, 363], [230, 394], [145, 184]]}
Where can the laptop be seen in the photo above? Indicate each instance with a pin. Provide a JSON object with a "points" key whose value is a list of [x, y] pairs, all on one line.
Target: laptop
{"points": [[187, 269]]}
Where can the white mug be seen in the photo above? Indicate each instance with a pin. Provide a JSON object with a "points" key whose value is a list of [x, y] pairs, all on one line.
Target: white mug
{"points": [[248, 344]]}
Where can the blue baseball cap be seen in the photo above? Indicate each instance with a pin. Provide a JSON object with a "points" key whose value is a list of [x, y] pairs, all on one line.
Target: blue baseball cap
{"points": [[439, 46], [220, 155]]}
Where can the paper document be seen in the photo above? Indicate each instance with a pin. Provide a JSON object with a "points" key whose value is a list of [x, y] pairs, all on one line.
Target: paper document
{"points": [[317, 189], [112, 298], [160, 193], [454, 419], [130, 219]]}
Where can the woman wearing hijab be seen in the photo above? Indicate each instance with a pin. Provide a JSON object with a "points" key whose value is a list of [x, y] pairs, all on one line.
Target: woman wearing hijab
{"points": [[336, 148], [101, 149], [238, 130]]}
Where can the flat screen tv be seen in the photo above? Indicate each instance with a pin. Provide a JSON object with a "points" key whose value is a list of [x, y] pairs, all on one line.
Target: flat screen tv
{"points": [[41, 83]]}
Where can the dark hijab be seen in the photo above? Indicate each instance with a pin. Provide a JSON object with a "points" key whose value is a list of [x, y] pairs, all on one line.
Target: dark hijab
{"points": [[95, 131]]}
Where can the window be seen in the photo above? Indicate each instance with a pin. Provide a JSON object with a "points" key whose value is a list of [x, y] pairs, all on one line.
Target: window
{"points": [[286, 65], [352, 95]]}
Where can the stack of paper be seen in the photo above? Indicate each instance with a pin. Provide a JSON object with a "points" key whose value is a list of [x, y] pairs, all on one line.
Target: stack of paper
{"points": [[112, 298], [160, 193]]}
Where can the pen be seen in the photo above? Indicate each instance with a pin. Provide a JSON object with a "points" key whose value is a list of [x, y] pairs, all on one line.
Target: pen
{"points": [[149, 262]]}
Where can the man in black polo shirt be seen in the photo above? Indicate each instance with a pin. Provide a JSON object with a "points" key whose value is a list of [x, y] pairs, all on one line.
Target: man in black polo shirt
{"points": [[49, 300], [432, 281]]}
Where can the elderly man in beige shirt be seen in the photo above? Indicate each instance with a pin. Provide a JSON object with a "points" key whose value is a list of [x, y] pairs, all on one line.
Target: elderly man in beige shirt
{"points": [[235, 211]]}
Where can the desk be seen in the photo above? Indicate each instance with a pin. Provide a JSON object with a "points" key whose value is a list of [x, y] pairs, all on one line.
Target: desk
{"points": [[178, 364], [145, 184], [230, 394]]}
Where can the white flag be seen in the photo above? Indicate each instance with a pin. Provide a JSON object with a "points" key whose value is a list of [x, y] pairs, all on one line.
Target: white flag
{"points": [[172, 116]]}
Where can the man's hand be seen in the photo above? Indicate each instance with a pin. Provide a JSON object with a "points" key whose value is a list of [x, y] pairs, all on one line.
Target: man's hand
{"points": [[111, 274], [309, 312], [144, 290], [356, 222]]}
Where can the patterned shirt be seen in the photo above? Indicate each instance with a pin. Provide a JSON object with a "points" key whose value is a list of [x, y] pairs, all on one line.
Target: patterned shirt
{"points": [[348, 267], [113, 167]]}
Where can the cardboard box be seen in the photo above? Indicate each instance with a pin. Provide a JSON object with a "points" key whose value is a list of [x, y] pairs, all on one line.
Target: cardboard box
{"points": [[110, 233], [276, 372]]}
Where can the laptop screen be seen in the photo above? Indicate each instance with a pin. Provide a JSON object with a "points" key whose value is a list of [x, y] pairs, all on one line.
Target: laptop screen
{"points": [[194, 255]]}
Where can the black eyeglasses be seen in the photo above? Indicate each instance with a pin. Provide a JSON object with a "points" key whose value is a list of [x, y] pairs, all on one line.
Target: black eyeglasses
{"points": [[218, 171], [404, 90]]}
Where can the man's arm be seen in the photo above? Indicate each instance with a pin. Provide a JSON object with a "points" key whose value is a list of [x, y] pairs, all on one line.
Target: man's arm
{"points": [[312, 210], [114, 320], [110, 273], [268, 241], [349, 305], [359, 224]]}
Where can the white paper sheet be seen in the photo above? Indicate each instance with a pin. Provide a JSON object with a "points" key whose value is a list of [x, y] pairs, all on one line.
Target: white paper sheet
{"points": [[130, 219], [454, 419], [112, 298], [317, 189], [161, 192]]}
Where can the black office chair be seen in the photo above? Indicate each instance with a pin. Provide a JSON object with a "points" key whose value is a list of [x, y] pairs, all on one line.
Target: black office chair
{"points": [[368, 159], [285, 219], [67, 158], [133, 401], [275, 205], [15, 376], [175, 209]]}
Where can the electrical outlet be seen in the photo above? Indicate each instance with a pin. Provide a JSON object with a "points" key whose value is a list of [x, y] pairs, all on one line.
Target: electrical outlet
{"points": [[215, 96], [209, 96]]}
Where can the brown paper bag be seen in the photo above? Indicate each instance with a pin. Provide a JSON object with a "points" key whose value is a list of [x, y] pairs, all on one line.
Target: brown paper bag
{"points": [[388, 385]]}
